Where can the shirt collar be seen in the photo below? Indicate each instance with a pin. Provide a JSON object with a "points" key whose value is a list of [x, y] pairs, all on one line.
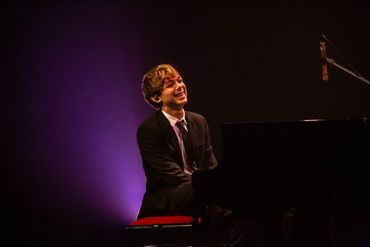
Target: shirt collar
{"points": [[172, 119]]}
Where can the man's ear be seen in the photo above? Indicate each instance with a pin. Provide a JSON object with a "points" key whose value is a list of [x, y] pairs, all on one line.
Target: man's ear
{"points": [[156, 99]]}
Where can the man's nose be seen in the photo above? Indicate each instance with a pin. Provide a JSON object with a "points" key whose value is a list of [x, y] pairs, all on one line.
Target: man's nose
{"points": [[179, 85]]}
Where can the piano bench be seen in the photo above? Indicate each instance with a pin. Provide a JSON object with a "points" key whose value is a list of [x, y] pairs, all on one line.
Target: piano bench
{"points": [[163, 230]]}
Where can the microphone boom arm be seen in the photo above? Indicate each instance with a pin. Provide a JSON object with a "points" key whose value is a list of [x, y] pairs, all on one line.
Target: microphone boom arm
{"points": [[334, 63]]}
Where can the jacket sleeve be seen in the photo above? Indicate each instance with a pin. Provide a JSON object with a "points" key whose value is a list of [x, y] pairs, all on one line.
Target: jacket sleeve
{"points": [[158, 158], [209, 157]]}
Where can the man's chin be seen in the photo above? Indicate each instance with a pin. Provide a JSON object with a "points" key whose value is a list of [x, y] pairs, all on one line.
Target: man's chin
{"points": [[181, 105]]}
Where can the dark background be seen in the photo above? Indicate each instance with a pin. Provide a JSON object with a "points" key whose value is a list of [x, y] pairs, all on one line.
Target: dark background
{"points": [[260, 61], [72, 100]]}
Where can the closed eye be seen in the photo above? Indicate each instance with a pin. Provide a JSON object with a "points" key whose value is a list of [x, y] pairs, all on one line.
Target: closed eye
{"points": [[171, 83]]}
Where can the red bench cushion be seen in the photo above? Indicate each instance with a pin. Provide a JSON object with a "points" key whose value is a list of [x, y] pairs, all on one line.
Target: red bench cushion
{"points": [[165, 220]]}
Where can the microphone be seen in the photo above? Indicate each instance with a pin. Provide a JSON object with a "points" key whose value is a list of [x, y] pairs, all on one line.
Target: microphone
{"points": [[324, 66]]}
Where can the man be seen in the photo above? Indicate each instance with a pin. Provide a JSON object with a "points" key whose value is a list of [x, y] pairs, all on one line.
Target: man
{"points": [[168, 161], [175, 148]]}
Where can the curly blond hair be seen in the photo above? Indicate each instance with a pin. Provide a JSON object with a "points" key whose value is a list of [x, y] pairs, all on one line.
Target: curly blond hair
{"points": [[153, 81]]}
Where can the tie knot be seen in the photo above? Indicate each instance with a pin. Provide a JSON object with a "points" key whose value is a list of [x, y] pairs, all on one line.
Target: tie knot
{"points": [[181, 125]]}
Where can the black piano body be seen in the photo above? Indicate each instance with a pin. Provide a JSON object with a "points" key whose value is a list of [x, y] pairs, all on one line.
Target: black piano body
{"points": [[276, 166]]}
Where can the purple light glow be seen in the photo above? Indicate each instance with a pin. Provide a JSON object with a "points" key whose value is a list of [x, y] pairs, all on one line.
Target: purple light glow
{"points": [[81, 100]]}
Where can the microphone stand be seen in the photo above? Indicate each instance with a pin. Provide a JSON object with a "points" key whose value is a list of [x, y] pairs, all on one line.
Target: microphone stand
{"points": [[332, 62]]}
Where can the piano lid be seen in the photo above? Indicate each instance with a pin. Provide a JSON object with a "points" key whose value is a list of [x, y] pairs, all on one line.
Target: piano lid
{"points": [[294, 161]]}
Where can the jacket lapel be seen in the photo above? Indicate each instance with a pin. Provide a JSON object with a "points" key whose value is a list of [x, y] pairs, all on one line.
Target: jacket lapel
{"points": [[170, 136], [192, 128]]}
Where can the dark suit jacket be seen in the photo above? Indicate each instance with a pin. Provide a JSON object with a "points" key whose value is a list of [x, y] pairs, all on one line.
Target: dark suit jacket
{"points": [[168, 189]]}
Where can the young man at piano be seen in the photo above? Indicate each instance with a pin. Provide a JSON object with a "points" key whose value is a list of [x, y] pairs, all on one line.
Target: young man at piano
{"points": [[173, 144]]}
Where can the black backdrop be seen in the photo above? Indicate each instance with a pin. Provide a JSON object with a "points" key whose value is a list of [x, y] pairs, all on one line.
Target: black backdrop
{"points": [[260, 61], [242, 61]]}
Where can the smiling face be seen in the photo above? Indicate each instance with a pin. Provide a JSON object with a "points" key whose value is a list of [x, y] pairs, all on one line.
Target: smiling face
{"points": [[174, 94], [163, 88]]}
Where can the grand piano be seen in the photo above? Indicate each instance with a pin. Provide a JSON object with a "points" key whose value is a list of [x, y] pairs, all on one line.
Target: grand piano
{"points": [[276, 166]]}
